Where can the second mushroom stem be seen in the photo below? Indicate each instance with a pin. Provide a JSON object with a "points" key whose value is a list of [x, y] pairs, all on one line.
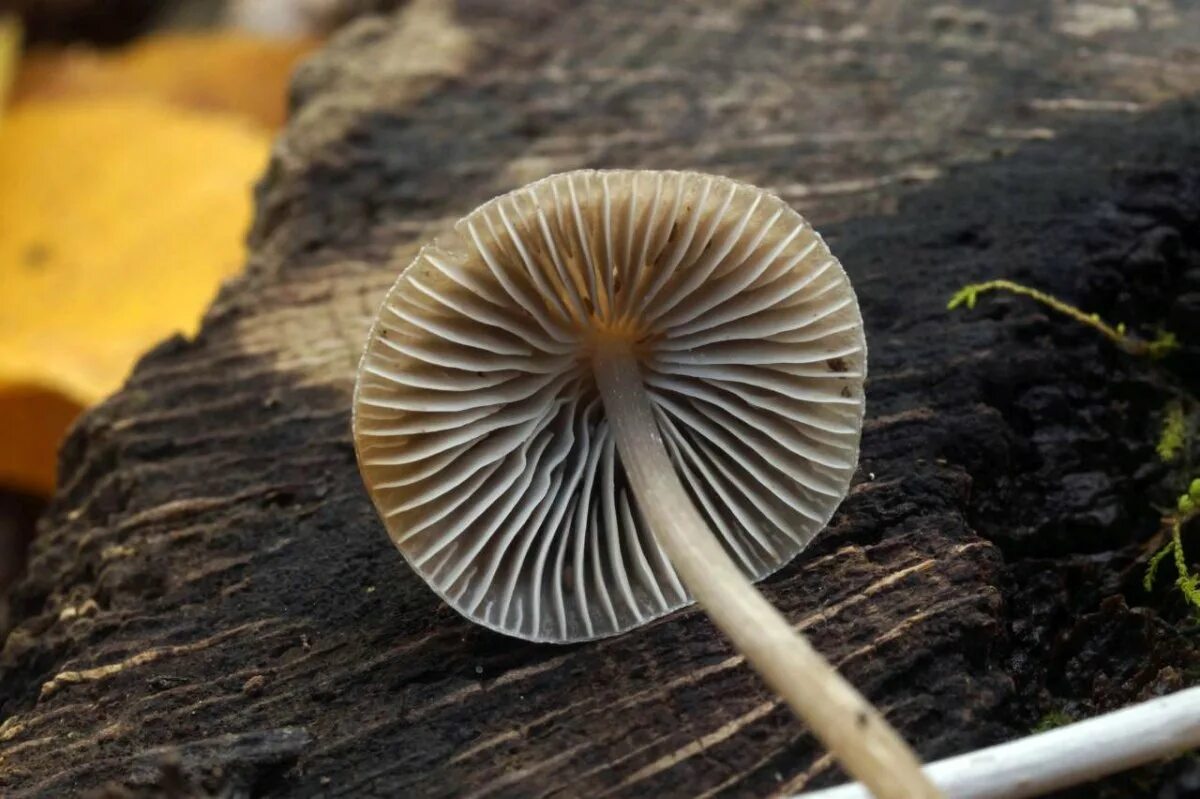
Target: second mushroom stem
{"points": [[849, 726]]}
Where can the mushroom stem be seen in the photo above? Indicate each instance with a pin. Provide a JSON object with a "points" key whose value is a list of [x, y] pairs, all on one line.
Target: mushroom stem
{"points": [[849, 726]]}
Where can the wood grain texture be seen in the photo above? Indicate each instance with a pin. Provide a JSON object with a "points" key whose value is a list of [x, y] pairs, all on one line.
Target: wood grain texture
{"points": [[213, 604]]}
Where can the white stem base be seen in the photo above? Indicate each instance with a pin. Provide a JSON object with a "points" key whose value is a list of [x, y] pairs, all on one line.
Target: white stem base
{"points": [[1071, 755], [867, 746]]}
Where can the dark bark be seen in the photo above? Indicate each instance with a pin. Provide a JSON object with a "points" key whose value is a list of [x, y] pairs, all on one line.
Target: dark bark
{"points": [[212, 602], [97, 21]]}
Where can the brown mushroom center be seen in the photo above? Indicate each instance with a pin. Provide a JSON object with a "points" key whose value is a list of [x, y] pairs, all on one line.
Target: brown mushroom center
{"points": [[623, 335]]}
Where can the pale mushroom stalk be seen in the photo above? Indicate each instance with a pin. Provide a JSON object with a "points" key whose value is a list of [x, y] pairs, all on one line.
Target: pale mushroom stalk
{"points": [[867, 746]]}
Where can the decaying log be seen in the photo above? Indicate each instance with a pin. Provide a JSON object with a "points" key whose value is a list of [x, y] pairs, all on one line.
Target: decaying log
{"points": [[213, 605]]}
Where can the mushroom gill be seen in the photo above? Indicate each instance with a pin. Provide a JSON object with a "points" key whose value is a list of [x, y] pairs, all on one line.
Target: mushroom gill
{"points": [[485, 443]]}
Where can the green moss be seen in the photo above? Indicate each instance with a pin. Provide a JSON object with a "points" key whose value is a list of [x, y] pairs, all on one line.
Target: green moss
{"points": [[1155, 561], [1173, 438], [1186, 580], [1161, 345], [1052, 720]]}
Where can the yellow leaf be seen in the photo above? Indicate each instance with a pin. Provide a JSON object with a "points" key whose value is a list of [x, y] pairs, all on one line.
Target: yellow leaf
{"points": [[228, 72], [118, 220]]}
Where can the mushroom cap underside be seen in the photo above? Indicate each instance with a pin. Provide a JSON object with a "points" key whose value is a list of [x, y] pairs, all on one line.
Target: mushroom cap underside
{"points": [[483, 441]]}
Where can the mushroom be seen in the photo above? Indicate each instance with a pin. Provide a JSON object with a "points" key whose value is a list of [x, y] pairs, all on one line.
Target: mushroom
{"points": [[612, 393]]}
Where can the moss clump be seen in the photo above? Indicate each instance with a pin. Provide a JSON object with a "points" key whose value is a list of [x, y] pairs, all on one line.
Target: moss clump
{"points": [[1187, 581], [1173, 438], [1052, 720]]}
